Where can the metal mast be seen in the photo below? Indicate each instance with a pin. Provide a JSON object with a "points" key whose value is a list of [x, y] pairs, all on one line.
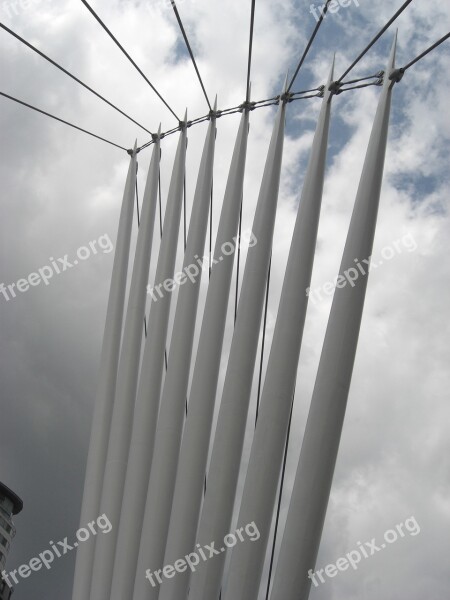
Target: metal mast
{"points": [[318, 455], [268, 445], [104, 401], [197, 432], [226, 455], [149, 385], [158, 506], [125, 527]]}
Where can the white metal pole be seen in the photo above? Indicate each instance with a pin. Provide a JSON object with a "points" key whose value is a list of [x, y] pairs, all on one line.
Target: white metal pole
{"points": [[171, 416], [104, 401], [266, 457], [143, 255], [306, 515], [150, 382], [197, 432], [216, 516]]}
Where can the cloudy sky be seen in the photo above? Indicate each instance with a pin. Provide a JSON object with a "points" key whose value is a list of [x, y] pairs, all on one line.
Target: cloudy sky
{"points": [[61, 190]]}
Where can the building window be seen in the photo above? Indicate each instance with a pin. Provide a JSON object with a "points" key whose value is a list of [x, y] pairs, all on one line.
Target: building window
{"points": [[6, 526]]}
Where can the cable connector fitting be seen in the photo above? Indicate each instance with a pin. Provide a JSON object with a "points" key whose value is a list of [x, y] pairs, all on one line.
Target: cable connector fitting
{"points": [[321, 91], [286, 97], [397, 75], [335, 87], [380, 78], [247, 105], [130, 151], [214, 114]]}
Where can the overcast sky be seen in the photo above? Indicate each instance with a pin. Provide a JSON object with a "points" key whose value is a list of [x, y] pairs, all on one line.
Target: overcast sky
{"points": [[61, 190]]}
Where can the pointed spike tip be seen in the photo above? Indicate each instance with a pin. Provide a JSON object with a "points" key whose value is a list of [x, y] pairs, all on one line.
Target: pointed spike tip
{"points": [[391, 73], [393, 50], [284, 90], [159, 130], [215, 104], [331, 75]]}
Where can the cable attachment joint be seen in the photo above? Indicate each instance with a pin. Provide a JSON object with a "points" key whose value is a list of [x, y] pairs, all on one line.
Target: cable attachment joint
{"points": [[335, 87], [247, 105], [397, 75], [286, 97], [182, 125], [321, 91], [380, 78], [214, 114]]}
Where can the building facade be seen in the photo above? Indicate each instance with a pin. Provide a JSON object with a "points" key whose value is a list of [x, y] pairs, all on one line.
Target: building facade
{"points": [[10, 504]]}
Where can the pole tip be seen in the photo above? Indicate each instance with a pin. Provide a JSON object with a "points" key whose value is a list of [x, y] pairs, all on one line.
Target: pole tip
{"points": [[391, 63], [394, 48], [284, 90], [133, 151], [333, 63]]}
